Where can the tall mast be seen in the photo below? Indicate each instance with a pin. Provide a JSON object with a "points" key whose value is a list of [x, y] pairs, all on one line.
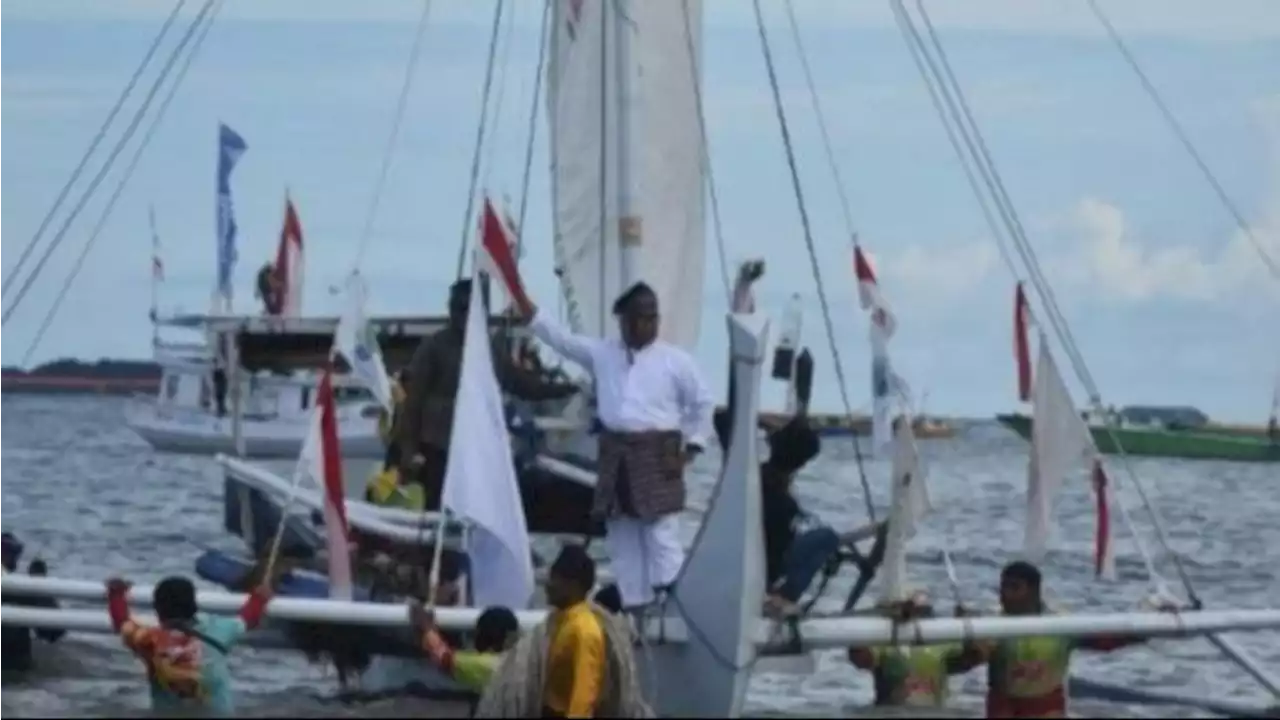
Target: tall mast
{"points": [[630, 223]]}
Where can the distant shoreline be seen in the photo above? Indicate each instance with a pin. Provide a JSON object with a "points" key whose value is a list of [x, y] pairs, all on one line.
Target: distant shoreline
{"points": [[77, 377]]}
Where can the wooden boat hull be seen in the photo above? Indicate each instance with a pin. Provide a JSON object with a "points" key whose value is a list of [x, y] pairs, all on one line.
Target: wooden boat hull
{"points": [[1181, 444]]}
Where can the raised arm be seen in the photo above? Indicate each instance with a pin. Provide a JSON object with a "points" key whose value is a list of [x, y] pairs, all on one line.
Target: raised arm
{"points": [[578, 348], [698, 407], [136, 637]]}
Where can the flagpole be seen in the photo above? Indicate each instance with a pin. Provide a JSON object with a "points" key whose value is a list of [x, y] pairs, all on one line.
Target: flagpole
{"points": [[156, 269]]}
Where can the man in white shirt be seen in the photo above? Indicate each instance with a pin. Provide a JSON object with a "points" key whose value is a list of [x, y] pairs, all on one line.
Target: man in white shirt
{"points": [[656, 411]]}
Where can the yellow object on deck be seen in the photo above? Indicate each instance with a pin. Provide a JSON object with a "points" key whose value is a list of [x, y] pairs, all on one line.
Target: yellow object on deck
{"points": [[385, 489]]}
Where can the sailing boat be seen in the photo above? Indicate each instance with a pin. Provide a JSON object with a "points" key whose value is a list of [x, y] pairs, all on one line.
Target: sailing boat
{"points": [[187, 416]]}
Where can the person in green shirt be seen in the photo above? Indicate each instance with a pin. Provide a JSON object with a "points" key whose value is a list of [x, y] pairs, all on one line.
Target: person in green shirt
{"points": [[910, 675], [497, 629]]}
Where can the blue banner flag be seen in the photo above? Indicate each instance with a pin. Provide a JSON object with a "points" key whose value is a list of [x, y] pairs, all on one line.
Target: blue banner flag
{"points": [[230, 147]]}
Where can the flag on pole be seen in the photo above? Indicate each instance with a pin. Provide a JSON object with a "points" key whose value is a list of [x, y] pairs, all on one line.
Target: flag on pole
{"points": [[321, 463], [322, 460], [1060, 444], [884, 382], [356, 341], [1021, 346], [289, 262], [909, 504], [480, 484], [496, 257], [230, 147], [157, 265], [1104, 557]]}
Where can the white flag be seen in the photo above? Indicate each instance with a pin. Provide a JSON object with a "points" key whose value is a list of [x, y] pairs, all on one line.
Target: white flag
{"points": [[1060, 444], [910, 503], [480, 484], [356, 342]]}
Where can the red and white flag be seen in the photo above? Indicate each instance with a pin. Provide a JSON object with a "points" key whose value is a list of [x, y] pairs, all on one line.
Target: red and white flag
{"points": [[1021, 346], [322, 459], [1104, 558], [885, 383], [869, 295], [496, 256], [289, 262]]}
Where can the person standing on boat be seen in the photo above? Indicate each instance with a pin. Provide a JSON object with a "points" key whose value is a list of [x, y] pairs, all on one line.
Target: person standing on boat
{"points": [[1027, 677], [655, 411], [16, 655], [434, 371]]}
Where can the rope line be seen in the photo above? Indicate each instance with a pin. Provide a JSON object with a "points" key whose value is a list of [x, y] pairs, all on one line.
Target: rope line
{"points": [[717, 226], [468, 221], [389, 152], [798, 190], [1058, 320], [93, 145], [533, 125], [1185, 140], [102, 172], [49, 317]]}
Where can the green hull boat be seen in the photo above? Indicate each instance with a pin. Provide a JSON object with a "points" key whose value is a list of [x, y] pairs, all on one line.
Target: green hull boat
{"points": [[1157, 442]]}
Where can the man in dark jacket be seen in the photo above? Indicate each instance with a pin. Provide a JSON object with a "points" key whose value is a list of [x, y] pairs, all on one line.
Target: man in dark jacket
{"points": [[426, 419], [16, 655]]}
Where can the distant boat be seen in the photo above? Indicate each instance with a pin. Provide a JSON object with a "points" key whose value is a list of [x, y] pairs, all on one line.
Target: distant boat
{"points": [[1172, 439]]}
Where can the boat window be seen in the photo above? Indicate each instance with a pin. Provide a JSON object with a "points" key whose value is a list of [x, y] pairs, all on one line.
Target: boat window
{"points": [[171, 386]]}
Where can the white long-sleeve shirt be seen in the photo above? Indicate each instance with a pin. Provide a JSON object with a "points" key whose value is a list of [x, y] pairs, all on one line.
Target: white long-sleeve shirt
{"points": [[658, 387]]}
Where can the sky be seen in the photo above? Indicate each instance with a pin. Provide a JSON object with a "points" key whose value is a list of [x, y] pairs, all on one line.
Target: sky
{"points": [[1167, 301]]}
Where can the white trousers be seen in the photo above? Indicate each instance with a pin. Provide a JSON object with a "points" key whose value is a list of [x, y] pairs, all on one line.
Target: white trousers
{"points": [[644, 555]]}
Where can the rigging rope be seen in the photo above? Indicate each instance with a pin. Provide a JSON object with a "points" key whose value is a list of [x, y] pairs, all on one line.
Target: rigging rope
{"points": [[1183, 138], [808, 239], [468, 221], [1060, 325], [84, 159], [958, 115], [533, 126], [49, 317], [504, 52], [389, 153], [102, 172], [716, 226]]}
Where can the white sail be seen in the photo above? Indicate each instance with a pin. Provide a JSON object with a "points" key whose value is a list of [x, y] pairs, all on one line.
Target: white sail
{"points": [[583, 91]]}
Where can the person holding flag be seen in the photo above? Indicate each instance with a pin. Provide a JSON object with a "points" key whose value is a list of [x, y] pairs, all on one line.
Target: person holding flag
{"points": [[434, 373], [655, 410]]}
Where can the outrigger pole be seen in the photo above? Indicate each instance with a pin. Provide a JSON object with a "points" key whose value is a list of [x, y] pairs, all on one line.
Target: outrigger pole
{"points": [[811, 634]]}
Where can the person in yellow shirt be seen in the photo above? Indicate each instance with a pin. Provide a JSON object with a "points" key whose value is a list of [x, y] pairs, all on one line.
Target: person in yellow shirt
{"points": [[576, 659]]}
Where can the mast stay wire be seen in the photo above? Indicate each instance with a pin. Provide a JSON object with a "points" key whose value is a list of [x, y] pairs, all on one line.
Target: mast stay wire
{"points": [[534, 114], [393, 137], [504, 62], [93, 146], [846, 206], [156, 119], [102, 172], [933, 85], [708, 171], [1228, 648], [798, 190], [468, 221], [42, 545], [1062, 328], [1185, 139]]}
